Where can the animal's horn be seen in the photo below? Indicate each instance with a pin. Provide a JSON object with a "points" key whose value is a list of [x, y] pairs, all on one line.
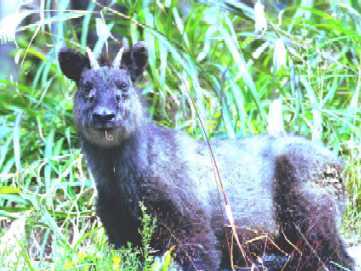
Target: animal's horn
{"points": [[93, 61], [118, 58]]}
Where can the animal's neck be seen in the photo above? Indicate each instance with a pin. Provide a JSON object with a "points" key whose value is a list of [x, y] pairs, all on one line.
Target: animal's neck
{"points": [[119, 171], [113, 167]]}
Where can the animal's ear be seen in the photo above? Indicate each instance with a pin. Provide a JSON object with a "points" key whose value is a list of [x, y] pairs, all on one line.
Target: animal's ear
{"points": [[135, 60], [72, 63]]}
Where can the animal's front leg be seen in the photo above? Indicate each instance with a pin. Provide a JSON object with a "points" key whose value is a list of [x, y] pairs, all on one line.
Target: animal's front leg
{"points": [[119, 224]]}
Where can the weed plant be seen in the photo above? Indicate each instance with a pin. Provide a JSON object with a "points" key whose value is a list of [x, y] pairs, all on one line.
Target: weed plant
{"points": [[203, 54]]}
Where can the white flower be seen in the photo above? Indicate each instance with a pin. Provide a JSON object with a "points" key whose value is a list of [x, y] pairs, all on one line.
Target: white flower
{"points": [[260, 18], [279, 55], [257, 53], [102, 29], [275, 118], [9, 25], [11, 242], [103, 32]]}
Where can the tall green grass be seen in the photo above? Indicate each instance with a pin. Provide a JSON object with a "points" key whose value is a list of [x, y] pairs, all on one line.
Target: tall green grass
{"points": [[212, 56]]}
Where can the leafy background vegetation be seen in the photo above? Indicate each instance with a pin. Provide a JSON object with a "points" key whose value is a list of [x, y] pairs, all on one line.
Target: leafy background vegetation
{"points": [[205, 61]]}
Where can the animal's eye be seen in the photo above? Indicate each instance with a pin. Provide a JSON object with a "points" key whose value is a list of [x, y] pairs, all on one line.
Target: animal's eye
{"points": [[88, 87], [122, 85], [90, 98]]}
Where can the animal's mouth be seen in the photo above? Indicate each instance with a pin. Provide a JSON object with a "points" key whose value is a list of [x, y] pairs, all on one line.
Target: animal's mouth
{"points": [[107, 132], [108, 135], [104, 126]]}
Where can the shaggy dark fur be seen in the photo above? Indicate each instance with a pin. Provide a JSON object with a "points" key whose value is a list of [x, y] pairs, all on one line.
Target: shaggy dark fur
{"points": [[285, 192]]}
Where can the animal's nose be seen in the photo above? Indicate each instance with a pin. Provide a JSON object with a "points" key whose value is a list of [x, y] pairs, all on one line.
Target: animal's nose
{"points": [[103, 115]]}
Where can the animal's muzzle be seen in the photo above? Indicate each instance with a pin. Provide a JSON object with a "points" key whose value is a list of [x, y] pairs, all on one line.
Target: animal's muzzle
{"points": [[103, 118]]}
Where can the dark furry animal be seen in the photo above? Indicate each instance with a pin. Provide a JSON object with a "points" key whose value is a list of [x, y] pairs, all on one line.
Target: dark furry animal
{"points": [[286, 193]]}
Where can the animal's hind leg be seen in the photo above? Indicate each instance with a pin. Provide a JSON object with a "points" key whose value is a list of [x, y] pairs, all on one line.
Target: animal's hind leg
{"points": [[307, 216], [190, 234]]}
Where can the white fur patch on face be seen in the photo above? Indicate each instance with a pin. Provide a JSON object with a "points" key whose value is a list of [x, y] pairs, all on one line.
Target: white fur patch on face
{"points": [[108, 136]]}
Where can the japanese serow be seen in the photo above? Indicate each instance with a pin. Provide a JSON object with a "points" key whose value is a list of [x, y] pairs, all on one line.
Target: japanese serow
{"points": [[286, 193]]}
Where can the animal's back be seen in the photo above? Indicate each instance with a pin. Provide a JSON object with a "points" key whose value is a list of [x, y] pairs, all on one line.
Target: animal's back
{"points": [[247, 171]]}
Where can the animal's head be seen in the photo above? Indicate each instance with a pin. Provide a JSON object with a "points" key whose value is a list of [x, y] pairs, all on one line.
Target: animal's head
{"points": [[107, 107]]}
